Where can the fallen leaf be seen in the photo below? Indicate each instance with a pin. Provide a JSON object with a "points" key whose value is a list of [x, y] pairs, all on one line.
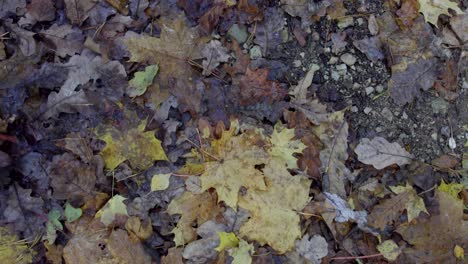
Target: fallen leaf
{"points": [[202, 250], [112, 209], [226, 241], [276, 206], [452, 188], [409, 77], [255, 87], [14, 250], [141, 229], [234, 167], [42, 10], [197, 208], [432, 9], [389, 210], [71, 213], [140, 148], [120, 5], [434, 240], [78, 11], [457, 24], [313, 249], [124, 250], [447, 86], [268, 32], [160, 182], [214, 53], [301, 8], [299, 91], [445, 162], [334, 135], [380, 153], [407, 13], [174, 256], [53, 225], [242, 254], [283, 146], [141, 80], [459, 252], [343, 212], [389, 250]]}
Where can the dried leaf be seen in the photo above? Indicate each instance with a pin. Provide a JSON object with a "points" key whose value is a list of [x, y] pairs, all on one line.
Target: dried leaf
{"points": [[42, 10], [380, 153], [78, 11], [389, 250], [434, 240], [445, 162], [242, 254], [432, 9], [174, 256], [268, 32], [141, 229], [300, 90], [407, 13], [284, 147], [191, 207], [160, 182], [214, 53], [452, 188], [313, 249], [124, 250], [255, 87]]}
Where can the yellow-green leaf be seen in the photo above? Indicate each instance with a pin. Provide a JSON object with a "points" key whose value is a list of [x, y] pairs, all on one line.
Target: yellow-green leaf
{"points": [[283, 145], [459, 252], [432, 9], [71, 213], [140, 148], [115, 206], [142, 80], [160, 182], [389, 250], [452, 188], [413, 203], [227, 240], [242, 254]]}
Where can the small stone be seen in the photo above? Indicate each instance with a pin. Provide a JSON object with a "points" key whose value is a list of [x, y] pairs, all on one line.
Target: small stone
{"points": [[345, 22], [356, 86], [238, 32], [378, 129], [360, 21], [348, 59], [369, 90], [439, 106], [333, 60], [341, 67], [434, 136], [379, 88], [335, 75], [445, 131], [255, 52], [302, 54], [326, 50], [354, 109], [387, 114], [452, 144], [404, 115], [297, 63], [367, 110], [285, 35]]}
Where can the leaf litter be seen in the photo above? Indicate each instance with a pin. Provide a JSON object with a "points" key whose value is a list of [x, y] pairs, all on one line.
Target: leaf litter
{"points": [[209, 132]]}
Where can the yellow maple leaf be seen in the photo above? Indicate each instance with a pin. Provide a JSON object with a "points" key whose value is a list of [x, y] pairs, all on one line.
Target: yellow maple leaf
{"points": [[432, 9], [140, 148], [191, 207], [276, 207], [115, 206], [235, 167], [452, 188], [283, 145], [227, 240]]}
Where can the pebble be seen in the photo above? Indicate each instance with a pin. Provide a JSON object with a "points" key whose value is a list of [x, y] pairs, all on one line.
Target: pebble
{"points": [[333, 60], [369, 90], [341, 67], [404, 115], [255, 52], [239, 33], [335, 75], [379, 88], [387, 114], [297, 63], [445, 131], [378, 129], [360, 21], [348, 59], [302, 54], [434, 136], [345, 22], [354, 109], [367, 110]]}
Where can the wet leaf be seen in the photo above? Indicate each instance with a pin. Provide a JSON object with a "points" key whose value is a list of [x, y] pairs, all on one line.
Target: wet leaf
{"points": [[459, 252], [380, 153]]}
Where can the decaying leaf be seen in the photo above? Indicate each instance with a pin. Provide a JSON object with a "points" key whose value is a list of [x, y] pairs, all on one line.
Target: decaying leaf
{"points": [[191, 207], [140, 148], [432, 9], [380, 153], [67, 40], [389, 250], [113, 208], [214, 53], [255, 87], [334, 135], [313, 249], [141, 229], [433, 240], [390, 209], [124, 250], [77, 11], [42, 10]]}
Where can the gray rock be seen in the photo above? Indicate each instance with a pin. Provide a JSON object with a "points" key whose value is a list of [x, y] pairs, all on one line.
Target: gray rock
{"points": [[445, 131], [367, 110], [348, 59], [439, 106], [387, 114], [297, 63], [354, 109], [335, 75], [434, 136], [369, 90], [379, 88], [255, 52], [345, 22], [239, 33]]}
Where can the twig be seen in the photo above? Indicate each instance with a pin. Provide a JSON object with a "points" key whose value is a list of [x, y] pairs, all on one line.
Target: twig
{"points": [[8, 138]]}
